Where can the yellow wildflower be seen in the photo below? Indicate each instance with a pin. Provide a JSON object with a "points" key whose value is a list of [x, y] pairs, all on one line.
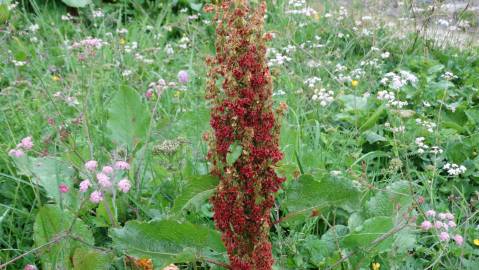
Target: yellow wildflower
{"points": [[376, 266], [55, 78], [354, 83], [476, 242], [122, 41]]}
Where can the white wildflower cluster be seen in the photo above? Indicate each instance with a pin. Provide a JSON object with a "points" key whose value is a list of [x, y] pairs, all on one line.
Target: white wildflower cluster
{"points": [[454, 169], [67, 17], [374, 63], [340, 70], [69, 100], [357, 73], [309, 44], [122, 31], [397, 81], [449, 76], [299, 7], [12, 6], [390, 97], [18, 63], [130, 47], [98, 13], [184, 42], [429, 125], [422, 147], [322, 96], [276, 58], [399, 129], [311, 82], [169, 49], [342, 13]]}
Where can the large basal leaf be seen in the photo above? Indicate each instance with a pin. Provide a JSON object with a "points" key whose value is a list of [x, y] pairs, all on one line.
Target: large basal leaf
{"points": [[167, 241], [129, 118], [396, 198], [309, 193], [49, 173], [77, 3], [50, 223], [91, 259], [372, 229], [195, 192]]}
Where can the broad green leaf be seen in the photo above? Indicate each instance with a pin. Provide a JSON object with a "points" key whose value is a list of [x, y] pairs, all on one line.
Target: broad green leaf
{"points": [[49, 173], [373, 119], [196, 191], [167, 241], [308, 193], [373, 137], [353, 103], [129, 118], [396, 198], [404, 240], [364, 236], [234, 153], [50, 223], [77, 3], [91, 259]]}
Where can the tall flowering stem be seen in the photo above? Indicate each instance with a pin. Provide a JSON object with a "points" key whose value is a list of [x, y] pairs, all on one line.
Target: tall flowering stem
{"points": [[242, 118]]}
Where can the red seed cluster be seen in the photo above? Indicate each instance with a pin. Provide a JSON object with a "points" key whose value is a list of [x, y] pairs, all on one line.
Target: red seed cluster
{"points": [[240, 90]]}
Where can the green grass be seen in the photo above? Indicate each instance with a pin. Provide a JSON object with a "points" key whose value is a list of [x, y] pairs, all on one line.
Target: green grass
{"points": [[359, 179]]}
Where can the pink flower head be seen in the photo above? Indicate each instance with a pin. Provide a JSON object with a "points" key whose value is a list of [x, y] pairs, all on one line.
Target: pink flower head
{"points": [[63, 188], [103, 180], [183, 76], [96, 196], [449, 216], [442, 216], [91, 165], [30, 267], [451, 224], [149, 94], [458, 239], [124, 185], [426, 225], [430, 213], [84, 185], [122, 165], [444, 236], [107, 170], [438, 224], [26, 143], [16, 153]]}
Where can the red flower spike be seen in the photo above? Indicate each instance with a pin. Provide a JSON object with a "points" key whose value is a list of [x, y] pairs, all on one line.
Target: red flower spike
{"points": [[242, 113]]}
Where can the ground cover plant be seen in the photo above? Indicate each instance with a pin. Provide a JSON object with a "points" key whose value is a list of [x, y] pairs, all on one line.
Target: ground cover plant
{"points": [[151, 135]]}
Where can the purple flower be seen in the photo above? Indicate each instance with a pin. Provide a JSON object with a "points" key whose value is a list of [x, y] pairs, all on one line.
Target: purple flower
{"points": [[458, 239], [430, 213], [444, 236], [442, 216], [103, 180], [26, 143], [63, 188], [124, 185], [30, 267], [84, 185], [16, 153], [452, 224], [107, 170], [96, 196], [426, 225], [91, 165], [122, 165], [438, 224], [183, 76]]}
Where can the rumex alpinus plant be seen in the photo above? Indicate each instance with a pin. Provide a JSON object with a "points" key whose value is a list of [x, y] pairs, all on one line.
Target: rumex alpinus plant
{"points": [[244, 124]]}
